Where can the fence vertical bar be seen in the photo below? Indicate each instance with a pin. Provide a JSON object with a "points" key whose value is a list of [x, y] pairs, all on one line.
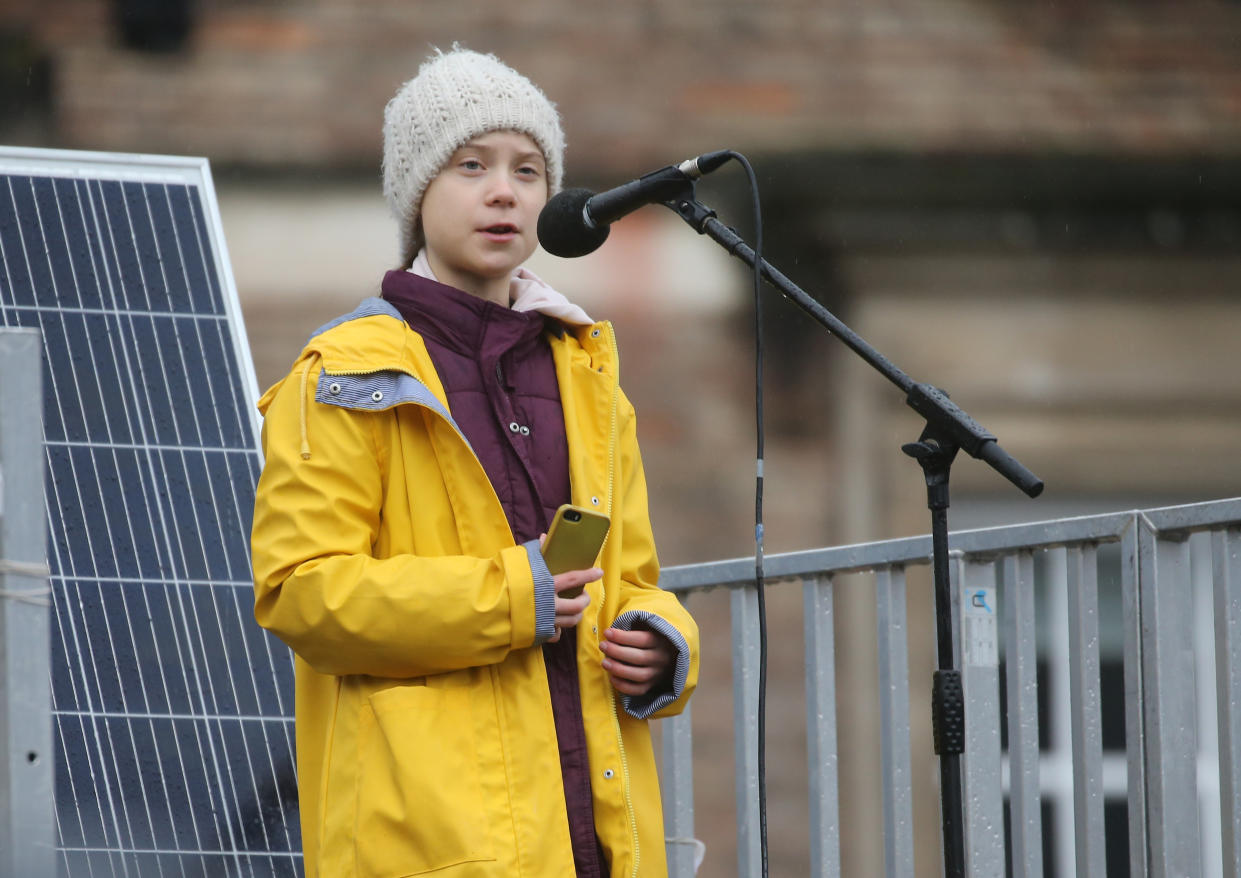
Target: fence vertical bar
{"points": [[27, 816], [818, 618], [1021, 672], [1226, 564], [676, 780], [974, 602], [744, 611], [1207, 775], [1056, 771], [1135, 734], [1085, 710], [893, 648], [1169, 707]]}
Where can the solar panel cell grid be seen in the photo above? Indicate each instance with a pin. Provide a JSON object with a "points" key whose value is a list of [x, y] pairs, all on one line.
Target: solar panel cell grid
{"points": [[172, 710]]}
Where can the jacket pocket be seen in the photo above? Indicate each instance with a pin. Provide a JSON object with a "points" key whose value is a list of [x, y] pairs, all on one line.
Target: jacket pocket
{"points": [[419, 800]]}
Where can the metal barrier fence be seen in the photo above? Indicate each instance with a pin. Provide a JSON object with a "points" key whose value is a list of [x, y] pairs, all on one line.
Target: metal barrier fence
{"points": [[1024, 596], [27, 822]]}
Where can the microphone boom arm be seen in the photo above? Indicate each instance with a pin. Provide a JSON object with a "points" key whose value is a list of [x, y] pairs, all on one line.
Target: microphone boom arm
{"points": [[944, 417]]}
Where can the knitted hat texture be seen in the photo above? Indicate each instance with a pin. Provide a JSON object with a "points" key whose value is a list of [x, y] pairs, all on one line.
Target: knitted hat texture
{"points": [[456, 96]]}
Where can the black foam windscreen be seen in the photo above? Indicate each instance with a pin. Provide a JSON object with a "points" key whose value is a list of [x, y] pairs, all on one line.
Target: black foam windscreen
{"points": [[563, 229]]}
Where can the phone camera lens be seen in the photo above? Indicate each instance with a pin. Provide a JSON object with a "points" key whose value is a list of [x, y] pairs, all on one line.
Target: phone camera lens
{"points": [[573, 516]]}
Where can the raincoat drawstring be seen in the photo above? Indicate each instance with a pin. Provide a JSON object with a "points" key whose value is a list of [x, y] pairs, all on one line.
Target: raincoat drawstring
{"points": [[310, 361]]}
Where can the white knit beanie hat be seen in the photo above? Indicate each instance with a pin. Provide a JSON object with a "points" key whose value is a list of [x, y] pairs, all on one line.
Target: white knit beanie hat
{"points": [[456, 96]]}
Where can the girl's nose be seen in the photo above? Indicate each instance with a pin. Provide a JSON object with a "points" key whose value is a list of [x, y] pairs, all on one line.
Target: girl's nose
{"points": [[501, 190]]}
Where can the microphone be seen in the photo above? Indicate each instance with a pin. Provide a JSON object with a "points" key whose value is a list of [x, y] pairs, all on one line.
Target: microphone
{"points": [[576, 221]]}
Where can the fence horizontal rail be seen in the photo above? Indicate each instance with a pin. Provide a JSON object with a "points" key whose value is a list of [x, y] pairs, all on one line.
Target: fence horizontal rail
{"points": [[863, 557]]}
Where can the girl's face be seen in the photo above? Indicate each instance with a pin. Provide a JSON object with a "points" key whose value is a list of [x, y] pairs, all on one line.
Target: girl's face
{"points": [[479, 214]]}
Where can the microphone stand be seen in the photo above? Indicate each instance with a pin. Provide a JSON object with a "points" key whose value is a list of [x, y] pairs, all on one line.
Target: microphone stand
{"points": [[948, 430]]}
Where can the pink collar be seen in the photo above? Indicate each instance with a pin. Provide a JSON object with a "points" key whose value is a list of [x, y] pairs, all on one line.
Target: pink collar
{"points": [[527, 292]]}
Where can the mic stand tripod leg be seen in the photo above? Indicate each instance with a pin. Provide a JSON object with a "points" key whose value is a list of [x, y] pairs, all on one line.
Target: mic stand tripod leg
{"points": [[934, 454]]}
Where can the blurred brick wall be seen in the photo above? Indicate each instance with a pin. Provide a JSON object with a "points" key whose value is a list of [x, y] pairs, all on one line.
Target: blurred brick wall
{"points": [[303, 83]]}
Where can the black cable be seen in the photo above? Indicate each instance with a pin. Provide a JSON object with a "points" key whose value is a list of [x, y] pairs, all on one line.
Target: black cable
{"points": [[758, 508]]}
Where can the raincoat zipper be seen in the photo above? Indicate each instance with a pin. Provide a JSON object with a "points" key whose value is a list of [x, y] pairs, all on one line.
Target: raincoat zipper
{"points": [[620, 740]]}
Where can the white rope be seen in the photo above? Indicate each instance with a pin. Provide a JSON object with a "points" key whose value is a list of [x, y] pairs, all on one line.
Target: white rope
{"points": [[36, 569], [39, 597]]}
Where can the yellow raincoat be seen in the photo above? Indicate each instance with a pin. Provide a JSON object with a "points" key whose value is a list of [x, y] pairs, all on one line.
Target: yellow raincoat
{"points": [[383, 558]]}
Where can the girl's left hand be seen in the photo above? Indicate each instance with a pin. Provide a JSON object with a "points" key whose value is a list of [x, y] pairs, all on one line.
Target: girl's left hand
{"points": [[637, 661]]}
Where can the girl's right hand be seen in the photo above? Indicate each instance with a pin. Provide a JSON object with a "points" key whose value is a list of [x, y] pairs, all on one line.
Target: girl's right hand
{"points": [[569, 609]]}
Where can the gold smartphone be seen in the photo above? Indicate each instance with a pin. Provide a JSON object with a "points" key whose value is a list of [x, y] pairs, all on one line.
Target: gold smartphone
{"points": [[574, 540]]}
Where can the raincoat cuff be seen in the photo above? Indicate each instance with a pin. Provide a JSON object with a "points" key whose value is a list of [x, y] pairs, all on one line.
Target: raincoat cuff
{"points": [[544, 594], [643, 706]]}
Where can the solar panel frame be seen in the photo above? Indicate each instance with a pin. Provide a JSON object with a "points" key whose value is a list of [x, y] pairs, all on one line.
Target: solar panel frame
{"points": [[131, 798]]}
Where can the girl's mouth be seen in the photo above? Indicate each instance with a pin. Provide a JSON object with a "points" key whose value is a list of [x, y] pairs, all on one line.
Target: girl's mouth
{"points": [[501, 229]]}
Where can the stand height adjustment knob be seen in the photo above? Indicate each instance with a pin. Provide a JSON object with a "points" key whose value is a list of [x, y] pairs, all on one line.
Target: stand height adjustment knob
{"points": [[948, 713]]}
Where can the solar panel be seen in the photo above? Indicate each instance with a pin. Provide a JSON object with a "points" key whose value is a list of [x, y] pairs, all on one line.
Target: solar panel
{"points": [[171, 708]]}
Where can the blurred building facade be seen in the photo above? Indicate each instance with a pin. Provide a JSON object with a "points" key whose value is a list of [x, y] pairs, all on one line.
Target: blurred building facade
{"points": [[1034, 206]]}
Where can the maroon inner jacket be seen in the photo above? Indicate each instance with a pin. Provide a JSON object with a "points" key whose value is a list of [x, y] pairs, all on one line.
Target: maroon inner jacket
{"points": [[498, 374]]}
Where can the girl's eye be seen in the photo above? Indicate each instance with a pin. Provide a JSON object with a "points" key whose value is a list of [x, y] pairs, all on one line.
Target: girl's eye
{"points": [[472, 165], [529, 171]]}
